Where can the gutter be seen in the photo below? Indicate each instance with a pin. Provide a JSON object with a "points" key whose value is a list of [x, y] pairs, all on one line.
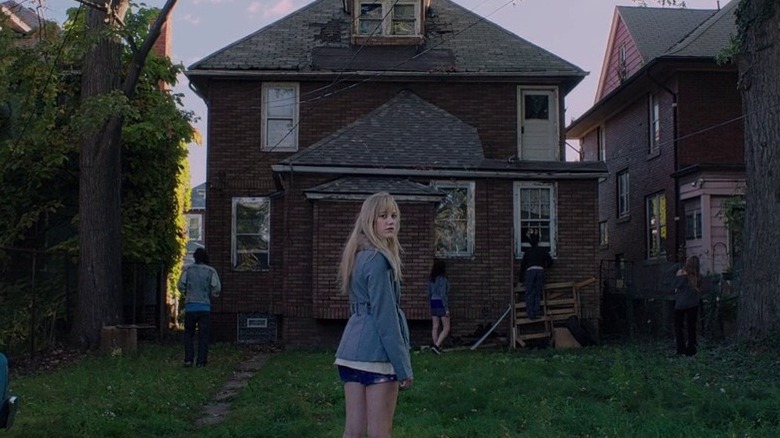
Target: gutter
{"points": [[442, 173], [361, 73]]}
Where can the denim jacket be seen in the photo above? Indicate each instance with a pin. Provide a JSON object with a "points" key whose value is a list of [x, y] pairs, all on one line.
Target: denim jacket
{"points": [[377, 330], [199, 282], [439, 289]]}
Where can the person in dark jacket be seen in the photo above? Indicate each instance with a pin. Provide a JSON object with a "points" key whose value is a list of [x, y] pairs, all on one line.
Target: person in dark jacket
{"points": [[687, 293], [373, 357], [535, 261], [199, 282]]}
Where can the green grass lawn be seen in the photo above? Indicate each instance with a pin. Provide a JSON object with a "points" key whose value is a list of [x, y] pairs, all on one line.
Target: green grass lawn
{"points": [[608, 391]]}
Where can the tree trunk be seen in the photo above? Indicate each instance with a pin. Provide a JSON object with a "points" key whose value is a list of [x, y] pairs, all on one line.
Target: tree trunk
{"points": [[759, 66], [100, 177], [100, 225]]}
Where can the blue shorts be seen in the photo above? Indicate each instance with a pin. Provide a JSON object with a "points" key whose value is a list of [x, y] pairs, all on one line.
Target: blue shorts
{"points": [[437, 308], [364, 377]]}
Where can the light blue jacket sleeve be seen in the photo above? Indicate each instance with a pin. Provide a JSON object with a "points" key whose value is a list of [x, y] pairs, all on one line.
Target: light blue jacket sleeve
{"points": [[389, 320]]}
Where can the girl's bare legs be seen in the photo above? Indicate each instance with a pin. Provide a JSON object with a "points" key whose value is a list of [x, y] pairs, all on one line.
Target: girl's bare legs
{"points": [[355, 406], [370, 409], [435, 329], [445, 320]]}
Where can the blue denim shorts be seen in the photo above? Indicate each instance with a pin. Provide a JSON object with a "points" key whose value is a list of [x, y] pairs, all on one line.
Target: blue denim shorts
{"points": [[364, 377], [437, 308]]}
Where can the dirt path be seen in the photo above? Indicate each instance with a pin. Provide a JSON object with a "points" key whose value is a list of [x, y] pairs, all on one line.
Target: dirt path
{"points": [[215, 411]]}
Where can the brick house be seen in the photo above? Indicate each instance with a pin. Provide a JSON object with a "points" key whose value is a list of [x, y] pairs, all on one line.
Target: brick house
{"points": [[459, 119], [668, 124], [195, 216]]}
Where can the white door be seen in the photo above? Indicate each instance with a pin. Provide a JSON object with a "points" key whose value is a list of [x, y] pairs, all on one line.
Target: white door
{"points": [[538, 120]]}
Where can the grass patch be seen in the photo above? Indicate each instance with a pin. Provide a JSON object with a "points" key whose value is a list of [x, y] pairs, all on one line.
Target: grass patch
{"points": [[607, 391], [146, 394]]}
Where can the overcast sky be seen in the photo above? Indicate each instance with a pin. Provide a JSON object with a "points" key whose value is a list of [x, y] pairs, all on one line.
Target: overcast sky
{"points": [[575, 30]]}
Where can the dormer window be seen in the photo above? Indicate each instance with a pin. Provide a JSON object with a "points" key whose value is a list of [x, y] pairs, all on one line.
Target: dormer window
{"points": [[381, 20]]}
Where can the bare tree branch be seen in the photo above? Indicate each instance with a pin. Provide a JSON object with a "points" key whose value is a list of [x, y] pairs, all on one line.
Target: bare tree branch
{"points": [[140, 55]]}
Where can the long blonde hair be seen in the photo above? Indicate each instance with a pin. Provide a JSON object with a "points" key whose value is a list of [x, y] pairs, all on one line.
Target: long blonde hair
{"points": [[692, 272], [364, 233]]}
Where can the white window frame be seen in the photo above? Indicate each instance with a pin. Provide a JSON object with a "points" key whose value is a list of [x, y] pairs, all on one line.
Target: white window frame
{"points": [[603, 233], [601, 143], [242, 259], [622, 69], [270, 112], [466, 246], [387, 18], [654, 124], [693, 225], [656, 229], [522, 188], [622, 191], [198, 218]]}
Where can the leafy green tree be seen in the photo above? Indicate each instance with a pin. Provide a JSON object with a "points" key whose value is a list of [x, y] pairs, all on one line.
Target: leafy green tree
{"points": [[107, 86], [45, 117]]}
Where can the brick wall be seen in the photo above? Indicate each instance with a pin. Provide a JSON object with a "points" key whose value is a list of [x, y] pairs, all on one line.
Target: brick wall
{"points": [[709, 126], [308, 236]]}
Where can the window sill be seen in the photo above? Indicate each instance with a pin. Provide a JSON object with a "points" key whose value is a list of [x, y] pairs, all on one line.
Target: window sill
{"points": [[654, 154], [624, 219], [249, 270], [278, 149], [659, 260], [454, 256], [387, 40]]}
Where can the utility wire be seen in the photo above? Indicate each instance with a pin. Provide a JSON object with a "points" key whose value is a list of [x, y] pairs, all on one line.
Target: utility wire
{"points": [[642, 152], [384, 73]]}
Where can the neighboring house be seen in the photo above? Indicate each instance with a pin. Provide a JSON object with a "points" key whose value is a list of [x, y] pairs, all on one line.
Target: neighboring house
{"points": [[461, 120], [23, 21], [195, 217], [668, 124]]}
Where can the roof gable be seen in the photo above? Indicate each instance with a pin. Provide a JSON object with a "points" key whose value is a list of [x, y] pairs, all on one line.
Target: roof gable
{"points": [[701, 44], [645, 33], [418, 134], [461, 42]]}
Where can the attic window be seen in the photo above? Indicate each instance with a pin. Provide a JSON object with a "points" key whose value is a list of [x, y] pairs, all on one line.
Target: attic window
{"points": [[378, 19]]}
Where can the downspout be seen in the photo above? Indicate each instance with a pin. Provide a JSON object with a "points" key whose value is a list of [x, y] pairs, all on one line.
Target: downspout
{"points": [[675, 146]]}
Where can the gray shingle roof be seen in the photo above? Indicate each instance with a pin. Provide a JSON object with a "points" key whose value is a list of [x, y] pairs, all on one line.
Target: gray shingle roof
{"points": [[418, 134], [365, 185], [655, 30], [711, 37], [473, 44]]}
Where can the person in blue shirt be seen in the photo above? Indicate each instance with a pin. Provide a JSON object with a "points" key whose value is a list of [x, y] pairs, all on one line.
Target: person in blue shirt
{"points": [[373, 358], [199, 282], [438, 296]]}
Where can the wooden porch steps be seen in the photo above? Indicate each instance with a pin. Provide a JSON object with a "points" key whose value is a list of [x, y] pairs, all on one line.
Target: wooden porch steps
{"points": [[560, 301]]}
